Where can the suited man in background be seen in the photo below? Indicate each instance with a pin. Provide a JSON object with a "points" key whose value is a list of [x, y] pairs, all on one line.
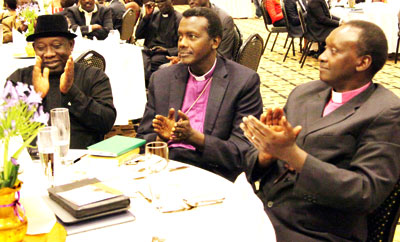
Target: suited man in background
{"points": [[320, 21], [197, 105], [330, 157], [118, 9], [93, 19]]}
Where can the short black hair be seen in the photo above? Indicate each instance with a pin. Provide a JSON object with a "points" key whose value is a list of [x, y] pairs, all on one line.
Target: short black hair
{"points": [[11, 4], [372, 41], [214, 28]]}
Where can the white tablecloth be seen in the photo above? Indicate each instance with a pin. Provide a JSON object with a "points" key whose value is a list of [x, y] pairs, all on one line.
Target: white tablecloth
{"points": [[239, 218], [237, 8], [382, 14], [124, 67]]}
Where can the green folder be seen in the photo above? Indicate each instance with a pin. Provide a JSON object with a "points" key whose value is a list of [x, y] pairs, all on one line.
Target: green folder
{"points": [[115, 146]]}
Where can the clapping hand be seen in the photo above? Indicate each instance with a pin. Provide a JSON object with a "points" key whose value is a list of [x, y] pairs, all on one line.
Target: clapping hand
{"points": [[163, 125], [67, 78], [40, 80], [182, 129]]}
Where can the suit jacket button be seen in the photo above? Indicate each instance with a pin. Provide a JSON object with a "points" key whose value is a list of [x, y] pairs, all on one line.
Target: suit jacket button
{"points": [[270, 204]]}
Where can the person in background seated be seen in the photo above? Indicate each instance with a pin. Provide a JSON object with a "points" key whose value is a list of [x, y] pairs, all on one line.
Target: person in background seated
{"points": [[197, 105], [320, 21], [274, 10], [227, 46], [160, 33], [93, 19], [118, 9], [330, 157], [84, 90], [9, 21]]}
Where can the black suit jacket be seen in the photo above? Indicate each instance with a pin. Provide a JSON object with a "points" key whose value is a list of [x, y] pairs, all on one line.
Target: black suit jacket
{"points": [[319, 20], [149, 28], [351, 166], [235, 93], [103, 17], [118, 10]]}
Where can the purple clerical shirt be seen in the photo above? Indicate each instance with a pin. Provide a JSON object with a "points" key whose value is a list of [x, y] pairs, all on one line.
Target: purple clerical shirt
{"points": [[338, 99], [196, 114]]}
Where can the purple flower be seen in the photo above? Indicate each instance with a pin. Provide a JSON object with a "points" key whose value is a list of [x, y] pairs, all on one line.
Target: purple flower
{"points": [[34, 98], [14, 161], [10, 95], [40, 116], [22, 89]]}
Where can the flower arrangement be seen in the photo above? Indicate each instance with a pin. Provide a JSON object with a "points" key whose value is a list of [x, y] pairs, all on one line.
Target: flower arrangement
{"points": [[21, 115], [28, 14]]}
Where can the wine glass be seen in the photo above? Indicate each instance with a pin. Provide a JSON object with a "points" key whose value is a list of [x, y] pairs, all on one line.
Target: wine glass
{"points": [[60, 120], [46, 142], [156, 158]]}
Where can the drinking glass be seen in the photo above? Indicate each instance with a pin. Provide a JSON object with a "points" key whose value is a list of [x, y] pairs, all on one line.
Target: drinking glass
{"points": [[60, 120], [156, 158], [46, 142]]}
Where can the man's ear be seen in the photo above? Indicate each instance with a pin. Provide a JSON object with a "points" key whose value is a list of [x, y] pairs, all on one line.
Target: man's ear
{"points": [[216, 42], [363, 63]]}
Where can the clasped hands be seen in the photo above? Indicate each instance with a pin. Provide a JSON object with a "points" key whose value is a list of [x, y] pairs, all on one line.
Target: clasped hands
{"points": [[275, 138], [40, 79], [169, 129]]}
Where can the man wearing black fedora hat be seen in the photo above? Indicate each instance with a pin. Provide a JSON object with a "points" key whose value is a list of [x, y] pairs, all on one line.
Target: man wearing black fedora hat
{"points": [[84, 90]]}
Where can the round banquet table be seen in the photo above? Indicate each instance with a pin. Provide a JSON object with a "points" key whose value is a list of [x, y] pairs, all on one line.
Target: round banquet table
{"points": [[237, 8], [239, 217], [382, 14]]}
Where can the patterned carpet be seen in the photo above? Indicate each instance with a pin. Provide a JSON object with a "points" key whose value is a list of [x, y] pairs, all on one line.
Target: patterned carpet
{"points": [[279, 78]]}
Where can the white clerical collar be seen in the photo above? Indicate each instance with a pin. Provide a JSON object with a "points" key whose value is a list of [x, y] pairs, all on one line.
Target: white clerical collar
{"points": [[336, 97], [165, 15], [205, 76], [83, 10]]}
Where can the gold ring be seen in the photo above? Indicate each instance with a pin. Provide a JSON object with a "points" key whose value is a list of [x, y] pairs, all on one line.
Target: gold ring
{"points": [[253, 137]]}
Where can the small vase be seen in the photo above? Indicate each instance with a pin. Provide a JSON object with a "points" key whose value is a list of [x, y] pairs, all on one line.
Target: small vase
{"points": [[12, 229]]}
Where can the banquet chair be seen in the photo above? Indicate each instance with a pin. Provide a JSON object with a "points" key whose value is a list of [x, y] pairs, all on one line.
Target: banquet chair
{"points": [[92, 58], [237, 42], [306, 34], [129, 20], [383, 221], [397, 47], [250, 53], [268, 22], [292, 33]]}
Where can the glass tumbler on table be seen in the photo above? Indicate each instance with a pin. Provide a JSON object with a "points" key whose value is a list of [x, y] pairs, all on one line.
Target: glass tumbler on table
{"points": [[156, 158], [46, 142], [60, 120]]}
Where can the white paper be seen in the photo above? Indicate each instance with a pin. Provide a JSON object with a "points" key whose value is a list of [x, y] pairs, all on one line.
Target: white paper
{"points": [[41, 218]]}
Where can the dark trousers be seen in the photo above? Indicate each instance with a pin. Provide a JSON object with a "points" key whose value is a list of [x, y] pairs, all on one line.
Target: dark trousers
{"points": [[151, 62]]}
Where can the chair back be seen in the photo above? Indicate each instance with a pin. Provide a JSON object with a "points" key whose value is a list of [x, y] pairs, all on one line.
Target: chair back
{"points": [[92, 58], [251, 51], [129, 20], [383, 221], [237, 42]]}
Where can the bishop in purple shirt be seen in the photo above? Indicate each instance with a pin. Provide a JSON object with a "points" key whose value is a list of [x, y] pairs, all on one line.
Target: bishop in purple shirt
{"points": [[197, 105]]}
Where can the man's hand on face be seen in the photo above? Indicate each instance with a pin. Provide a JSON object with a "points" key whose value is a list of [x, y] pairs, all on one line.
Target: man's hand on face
{"points": [[67, 78], [40, 80], [163, 125], [149, 8], [173, 60]]}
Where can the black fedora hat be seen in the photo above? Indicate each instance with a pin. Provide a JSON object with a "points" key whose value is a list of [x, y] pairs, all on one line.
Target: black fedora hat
{"points": [[51, 26]]}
